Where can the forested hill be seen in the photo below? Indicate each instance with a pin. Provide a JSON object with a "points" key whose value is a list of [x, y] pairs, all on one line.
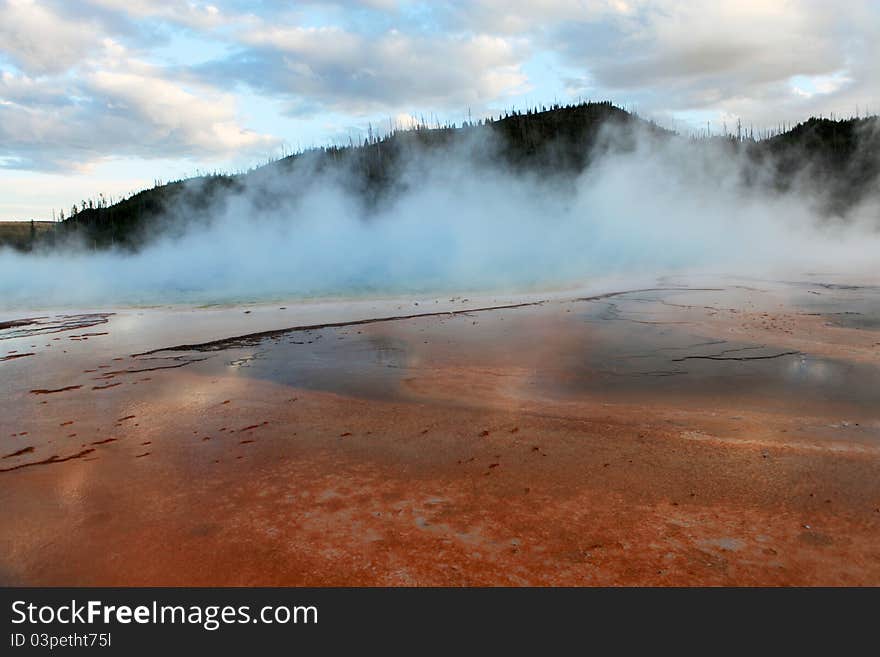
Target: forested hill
{"points": [[840, 156]]}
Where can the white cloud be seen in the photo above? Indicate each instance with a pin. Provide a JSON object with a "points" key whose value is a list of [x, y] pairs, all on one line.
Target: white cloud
{"points": [[347, 71], [733, 56], [204, 121], [40, 41], [199, 15], [115, 106], [80, 96], [85, 83]]}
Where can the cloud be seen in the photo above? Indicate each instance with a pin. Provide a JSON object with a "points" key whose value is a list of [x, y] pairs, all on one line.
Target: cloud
{"points": [[727, 47], [730, 56], [197, 15], [102, 78], [202, 121], [40, 41], [526, 16], [79, 95], [127, 109], [331, 67]]}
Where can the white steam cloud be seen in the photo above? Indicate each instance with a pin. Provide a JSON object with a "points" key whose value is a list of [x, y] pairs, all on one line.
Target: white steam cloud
{"points": [[666, 206]]}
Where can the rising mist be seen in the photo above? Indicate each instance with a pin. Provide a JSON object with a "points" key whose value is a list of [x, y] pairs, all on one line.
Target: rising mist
{"points": [[460, 219]]}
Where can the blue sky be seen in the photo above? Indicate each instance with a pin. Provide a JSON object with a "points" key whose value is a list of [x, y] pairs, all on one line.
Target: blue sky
{"points": [[106, 96]]}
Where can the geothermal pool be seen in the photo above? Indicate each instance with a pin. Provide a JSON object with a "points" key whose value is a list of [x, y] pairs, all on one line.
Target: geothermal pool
{"points": [[692, 430]]}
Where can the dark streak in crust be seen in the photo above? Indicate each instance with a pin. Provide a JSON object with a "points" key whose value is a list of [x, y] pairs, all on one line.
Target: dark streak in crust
{"points": [[740, 358], [51, 459], [14, 356], [44, 391], [608, 295], [44, 325], [23, 450], [254, 338], [109, 385], [21, 322], [182, 363]]}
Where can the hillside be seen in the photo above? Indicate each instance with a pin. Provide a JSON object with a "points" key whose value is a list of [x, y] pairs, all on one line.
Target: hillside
{"points": [[838, 158], [841, 156], [559, 139]]}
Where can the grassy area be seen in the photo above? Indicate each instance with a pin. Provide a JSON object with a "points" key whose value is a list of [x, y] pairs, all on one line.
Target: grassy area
{"points": [[17, 234]]}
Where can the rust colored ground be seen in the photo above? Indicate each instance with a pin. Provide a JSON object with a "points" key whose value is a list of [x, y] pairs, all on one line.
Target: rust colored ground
{"points": [[572, 443]]}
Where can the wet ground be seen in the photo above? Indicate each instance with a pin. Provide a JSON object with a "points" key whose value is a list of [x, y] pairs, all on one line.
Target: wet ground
{"points": [[687, 432]]}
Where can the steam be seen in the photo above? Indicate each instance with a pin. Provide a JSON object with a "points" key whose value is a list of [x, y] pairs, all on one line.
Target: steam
{"points": [[646, 206]]}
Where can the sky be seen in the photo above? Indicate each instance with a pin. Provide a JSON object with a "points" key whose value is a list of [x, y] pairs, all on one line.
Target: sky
{"points": [[109, 96]]}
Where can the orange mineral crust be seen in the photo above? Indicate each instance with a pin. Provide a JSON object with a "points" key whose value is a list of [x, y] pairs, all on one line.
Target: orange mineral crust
{"points": [[720, 433]]}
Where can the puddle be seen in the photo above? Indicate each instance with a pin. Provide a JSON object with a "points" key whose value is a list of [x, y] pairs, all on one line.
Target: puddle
{"points": [[333, 360], [621, 352], [635, 345]]}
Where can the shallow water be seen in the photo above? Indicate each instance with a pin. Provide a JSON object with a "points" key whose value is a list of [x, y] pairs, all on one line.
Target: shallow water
{"points": [[334, 360], [635, 346]]}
